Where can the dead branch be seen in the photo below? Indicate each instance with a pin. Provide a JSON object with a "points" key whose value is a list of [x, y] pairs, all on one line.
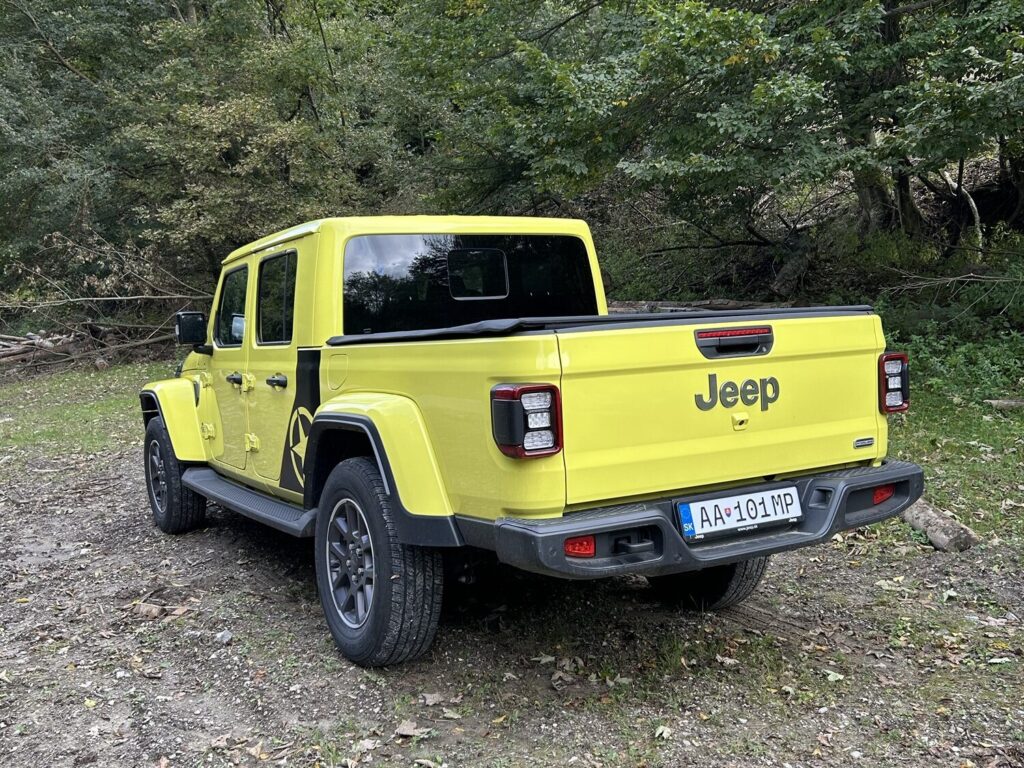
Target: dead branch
{"points": [[51, 46], [632, 307], [967, 198], [99, 299], [919, 282]]}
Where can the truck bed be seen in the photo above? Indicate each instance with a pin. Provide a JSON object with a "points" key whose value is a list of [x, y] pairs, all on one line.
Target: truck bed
{"points": [[512, 326], [648, 405]]}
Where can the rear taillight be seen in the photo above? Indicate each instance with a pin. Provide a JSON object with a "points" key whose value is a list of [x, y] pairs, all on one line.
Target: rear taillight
{"points": [[893, 382], [526, 419]]}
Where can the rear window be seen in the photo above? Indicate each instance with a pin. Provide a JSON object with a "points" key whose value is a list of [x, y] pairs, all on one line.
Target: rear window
{"points": [[416, 282]]}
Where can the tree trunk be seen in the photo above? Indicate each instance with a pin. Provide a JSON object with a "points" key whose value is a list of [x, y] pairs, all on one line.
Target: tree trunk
{"points": [[1014, 165], [911, 220], [963, 194], [876, 203]]}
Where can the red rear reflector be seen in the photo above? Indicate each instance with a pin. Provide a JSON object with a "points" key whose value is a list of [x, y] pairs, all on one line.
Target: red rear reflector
{"points": [[883, 493], [725, 333], [580, 546]]}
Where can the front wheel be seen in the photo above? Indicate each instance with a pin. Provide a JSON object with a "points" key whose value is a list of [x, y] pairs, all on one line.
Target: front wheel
{"points": [[712, 588], [176, 509], [381, 598]]}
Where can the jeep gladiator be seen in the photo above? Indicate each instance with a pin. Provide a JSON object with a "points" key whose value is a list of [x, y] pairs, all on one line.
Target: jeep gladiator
{"points": [[403, 387]]}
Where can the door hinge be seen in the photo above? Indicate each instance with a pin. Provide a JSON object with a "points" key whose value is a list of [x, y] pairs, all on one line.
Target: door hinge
{"points": [[248, 382], [207, 430], [204, 379], [252, 443]]}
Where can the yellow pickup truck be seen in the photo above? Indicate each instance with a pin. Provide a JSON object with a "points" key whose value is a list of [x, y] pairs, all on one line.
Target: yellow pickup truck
{"points": [[402, 388]]}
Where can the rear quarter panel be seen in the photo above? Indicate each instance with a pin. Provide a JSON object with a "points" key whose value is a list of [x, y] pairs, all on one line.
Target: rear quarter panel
{"points": [[450, 384]]}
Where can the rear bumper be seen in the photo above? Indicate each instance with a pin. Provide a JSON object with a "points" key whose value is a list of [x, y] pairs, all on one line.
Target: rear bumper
{"points": [[645, 537]]}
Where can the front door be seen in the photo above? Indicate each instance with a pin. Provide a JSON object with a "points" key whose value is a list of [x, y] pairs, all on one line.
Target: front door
{"points": [[227, 366]]}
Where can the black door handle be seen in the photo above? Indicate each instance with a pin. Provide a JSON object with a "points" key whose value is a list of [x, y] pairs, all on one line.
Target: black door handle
{"points": [[234, 378], [278, 380]]}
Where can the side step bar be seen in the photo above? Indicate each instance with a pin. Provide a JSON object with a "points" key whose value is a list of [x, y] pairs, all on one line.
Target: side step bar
{"points": [[259, 506]]}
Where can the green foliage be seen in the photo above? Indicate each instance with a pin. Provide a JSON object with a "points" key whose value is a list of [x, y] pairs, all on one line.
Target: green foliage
{"points": [[991, 368], [804, 151]]}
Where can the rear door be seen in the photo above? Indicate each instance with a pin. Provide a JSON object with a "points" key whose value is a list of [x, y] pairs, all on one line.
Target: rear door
{"points": [[653, 409], [271, 364], [282, 369]]}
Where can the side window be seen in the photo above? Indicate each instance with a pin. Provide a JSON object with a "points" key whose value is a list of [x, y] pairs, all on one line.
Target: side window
{"points": [[230, 327], [275, 299]]}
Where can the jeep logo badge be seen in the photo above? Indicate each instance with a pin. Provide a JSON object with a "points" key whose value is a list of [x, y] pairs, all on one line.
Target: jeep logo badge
{"points": [[750, 392]]}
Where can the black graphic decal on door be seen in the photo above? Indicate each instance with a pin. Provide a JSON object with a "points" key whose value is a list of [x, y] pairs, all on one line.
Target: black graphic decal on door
{"points": [[307, 400]]}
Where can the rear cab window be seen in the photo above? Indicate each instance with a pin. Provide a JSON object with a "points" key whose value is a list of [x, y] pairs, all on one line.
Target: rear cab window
{"points": [[419, 282]]}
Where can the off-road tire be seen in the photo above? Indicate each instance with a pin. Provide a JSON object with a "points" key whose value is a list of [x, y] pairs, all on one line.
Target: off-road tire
{"points": [[176, 509], [402, 614], [712, 588]]}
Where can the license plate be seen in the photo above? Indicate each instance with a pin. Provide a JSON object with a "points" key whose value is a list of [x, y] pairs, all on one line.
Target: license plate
{"points": [[738, 513]]}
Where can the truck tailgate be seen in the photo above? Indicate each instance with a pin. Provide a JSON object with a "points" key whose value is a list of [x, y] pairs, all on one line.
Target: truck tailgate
{"points": [[646, 412]]}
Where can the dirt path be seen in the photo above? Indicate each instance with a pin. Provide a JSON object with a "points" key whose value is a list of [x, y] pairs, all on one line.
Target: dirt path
{"points": [[867, 652]]}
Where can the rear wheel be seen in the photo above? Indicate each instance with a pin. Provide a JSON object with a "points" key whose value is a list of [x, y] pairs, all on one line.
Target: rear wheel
{"points": [[712, 588], [176, 509], [381, 598]]}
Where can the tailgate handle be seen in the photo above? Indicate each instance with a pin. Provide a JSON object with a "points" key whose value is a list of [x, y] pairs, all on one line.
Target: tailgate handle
{"points": [[734, 342]]}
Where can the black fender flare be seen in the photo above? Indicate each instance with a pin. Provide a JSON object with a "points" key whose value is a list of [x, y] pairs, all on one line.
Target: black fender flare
{"points": [[413, 529]]}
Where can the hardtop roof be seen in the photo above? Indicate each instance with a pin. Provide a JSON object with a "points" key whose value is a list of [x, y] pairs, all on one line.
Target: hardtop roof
{"points": [[399, 225]]}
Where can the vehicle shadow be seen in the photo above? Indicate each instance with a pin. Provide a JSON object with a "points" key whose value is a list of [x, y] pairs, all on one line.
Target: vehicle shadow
{"points": [[491, 609]]}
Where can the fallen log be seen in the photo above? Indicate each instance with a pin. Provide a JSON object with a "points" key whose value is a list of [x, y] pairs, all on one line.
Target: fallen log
{"points": [[1005, 405], [945, 532], [94, 351]]}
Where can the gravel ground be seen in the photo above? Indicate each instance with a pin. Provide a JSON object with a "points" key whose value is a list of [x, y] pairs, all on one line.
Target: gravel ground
{"points": [[121, 646]]}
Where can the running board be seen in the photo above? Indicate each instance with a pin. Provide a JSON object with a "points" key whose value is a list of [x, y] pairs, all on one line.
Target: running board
{"points": [[259, 506]]}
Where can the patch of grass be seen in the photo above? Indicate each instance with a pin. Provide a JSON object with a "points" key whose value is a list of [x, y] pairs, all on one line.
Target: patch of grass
{"points": [[972, 455], [74, 411]]}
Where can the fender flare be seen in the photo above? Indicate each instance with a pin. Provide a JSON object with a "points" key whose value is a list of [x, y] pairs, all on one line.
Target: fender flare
{"points": [[175, 401], [408, 469]]}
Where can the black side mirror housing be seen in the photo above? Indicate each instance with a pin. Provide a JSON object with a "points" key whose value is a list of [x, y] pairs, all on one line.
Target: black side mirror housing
{"points": [[190, 328]]}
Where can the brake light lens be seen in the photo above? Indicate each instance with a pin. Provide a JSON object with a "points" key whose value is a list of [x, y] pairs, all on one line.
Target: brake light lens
{"points": [[883, 493], [526, 419], [728, 333], [893, 382], [581, 546]]}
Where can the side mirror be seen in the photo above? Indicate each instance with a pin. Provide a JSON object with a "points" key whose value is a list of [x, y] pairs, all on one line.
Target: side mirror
{"points": [[237, 328], [190, 328]]}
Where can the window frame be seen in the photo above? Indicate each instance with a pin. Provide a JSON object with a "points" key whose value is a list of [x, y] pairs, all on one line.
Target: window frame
{"points": [[257, 341], [220, 306], [589, 298], [504, 267]]}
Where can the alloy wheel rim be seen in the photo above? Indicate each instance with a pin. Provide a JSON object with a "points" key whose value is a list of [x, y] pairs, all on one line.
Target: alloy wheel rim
{"points": [[157, 476], [350, 563]]}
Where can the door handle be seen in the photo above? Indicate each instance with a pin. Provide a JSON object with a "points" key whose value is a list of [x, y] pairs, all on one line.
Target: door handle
{"points": [[234, 378], [278, 380]]}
